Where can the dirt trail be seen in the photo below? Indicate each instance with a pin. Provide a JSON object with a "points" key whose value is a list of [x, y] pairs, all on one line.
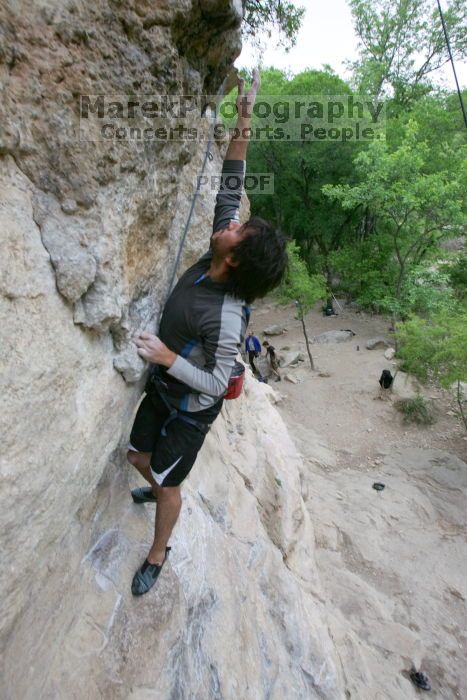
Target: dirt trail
{"points": [[393, 563]]}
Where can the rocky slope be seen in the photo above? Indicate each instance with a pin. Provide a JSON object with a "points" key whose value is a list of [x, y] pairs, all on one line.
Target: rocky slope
{"points": [[90, 232], [393, 562], [238, 611]]}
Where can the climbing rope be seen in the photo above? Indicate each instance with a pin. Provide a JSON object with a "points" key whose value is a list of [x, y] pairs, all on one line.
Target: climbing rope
{"points": [[207, 155], [452, 61]]}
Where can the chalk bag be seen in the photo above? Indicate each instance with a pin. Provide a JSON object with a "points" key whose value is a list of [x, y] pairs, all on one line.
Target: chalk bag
{"points": [[237, 378]]}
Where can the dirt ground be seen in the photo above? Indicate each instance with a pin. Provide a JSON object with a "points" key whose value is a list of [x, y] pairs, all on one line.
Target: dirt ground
{"points": [[393, 563]]}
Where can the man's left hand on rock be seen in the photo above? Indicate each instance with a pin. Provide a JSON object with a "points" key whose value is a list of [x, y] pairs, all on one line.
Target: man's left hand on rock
{"points": [[152, 349]]}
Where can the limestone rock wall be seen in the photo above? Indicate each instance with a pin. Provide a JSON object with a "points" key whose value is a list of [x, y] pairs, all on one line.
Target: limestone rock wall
{"points": [[89, 233], [238, 610]]}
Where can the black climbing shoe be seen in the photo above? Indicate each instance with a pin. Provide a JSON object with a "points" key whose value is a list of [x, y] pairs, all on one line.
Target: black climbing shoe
{"points": [[146, 576], [420, 680], [143, 494]]}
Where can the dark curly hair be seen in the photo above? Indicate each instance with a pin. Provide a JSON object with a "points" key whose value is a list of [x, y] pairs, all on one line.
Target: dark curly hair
{"points": [[262, 259]]}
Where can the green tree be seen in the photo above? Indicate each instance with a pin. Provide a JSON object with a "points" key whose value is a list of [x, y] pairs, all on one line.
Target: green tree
{"points": [[302, 288], [427, 291], [436, 348], [300, 169], [414, 209], [402, 44], [455, 268], [440, 125], [262, 16]]}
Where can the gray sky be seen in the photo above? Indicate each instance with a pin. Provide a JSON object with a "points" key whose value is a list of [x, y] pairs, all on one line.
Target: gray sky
{"points": [[326, 36]]}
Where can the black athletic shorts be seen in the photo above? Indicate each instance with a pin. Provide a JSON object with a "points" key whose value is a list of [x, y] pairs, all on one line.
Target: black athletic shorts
{"points": [[173, 455]]}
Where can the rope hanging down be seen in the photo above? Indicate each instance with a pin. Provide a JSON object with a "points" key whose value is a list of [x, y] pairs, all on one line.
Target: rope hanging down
{"points": [[452, 61], [207, 155]]}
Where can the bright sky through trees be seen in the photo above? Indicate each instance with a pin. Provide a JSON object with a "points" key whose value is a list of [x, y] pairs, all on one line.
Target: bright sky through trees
{"points": [[327, 36]]}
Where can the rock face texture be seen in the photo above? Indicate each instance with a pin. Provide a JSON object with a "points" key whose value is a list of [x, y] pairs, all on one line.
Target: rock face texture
{"points": [[405, 386], [89, 234], [378, 577], [236, 612]]}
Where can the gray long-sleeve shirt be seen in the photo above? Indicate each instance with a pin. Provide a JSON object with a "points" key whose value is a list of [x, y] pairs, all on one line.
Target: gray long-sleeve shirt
{"points": [[203, 323]]}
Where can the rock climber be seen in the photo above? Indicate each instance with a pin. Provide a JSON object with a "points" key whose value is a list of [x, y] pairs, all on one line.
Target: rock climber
{"points": [[202, 328], [253, 349]]}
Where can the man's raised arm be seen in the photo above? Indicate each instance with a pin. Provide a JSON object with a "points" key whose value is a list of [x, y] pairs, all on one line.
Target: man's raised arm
{"points": [[239, 144], [234, 165]]}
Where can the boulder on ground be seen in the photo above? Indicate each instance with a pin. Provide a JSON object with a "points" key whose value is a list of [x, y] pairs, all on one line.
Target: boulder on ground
{"points": [[274, 330], [405, 386], [379, 342], [389, 354], [290, 358], [333, 337], [290, 378]]}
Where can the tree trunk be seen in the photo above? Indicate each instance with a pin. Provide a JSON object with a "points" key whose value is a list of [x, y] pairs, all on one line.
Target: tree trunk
{"points": [[307, 341], [393, 323], [395, 314], [400, 279]]}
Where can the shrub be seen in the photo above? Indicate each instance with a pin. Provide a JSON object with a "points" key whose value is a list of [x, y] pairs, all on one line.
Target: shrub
{"points": [[416, 410]]}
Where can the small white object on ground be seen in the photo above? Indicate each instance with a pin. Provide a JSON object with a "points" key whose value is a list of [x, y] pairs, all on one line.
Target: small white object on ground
{"points": [[291, 378]]}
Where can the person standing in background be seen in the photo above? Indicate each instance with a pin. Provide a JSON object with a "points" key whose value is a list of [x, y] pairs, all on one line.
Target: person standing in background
{"points": [[271, 354], [253, 348]]}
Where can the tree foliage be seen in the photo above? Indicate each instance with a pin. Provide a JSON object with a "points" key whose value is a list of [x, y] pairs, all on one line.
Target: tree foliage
{"points": [[436, 349], [300, 169], [455, 269], [414, 209], [261, 17], [302, 288], [298, 284], [402, 44]]}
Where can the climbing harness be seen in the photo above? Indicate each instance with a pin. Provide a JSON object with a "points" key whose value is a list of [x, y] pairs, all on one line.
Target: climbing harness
{"points": [[156, 383]]}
